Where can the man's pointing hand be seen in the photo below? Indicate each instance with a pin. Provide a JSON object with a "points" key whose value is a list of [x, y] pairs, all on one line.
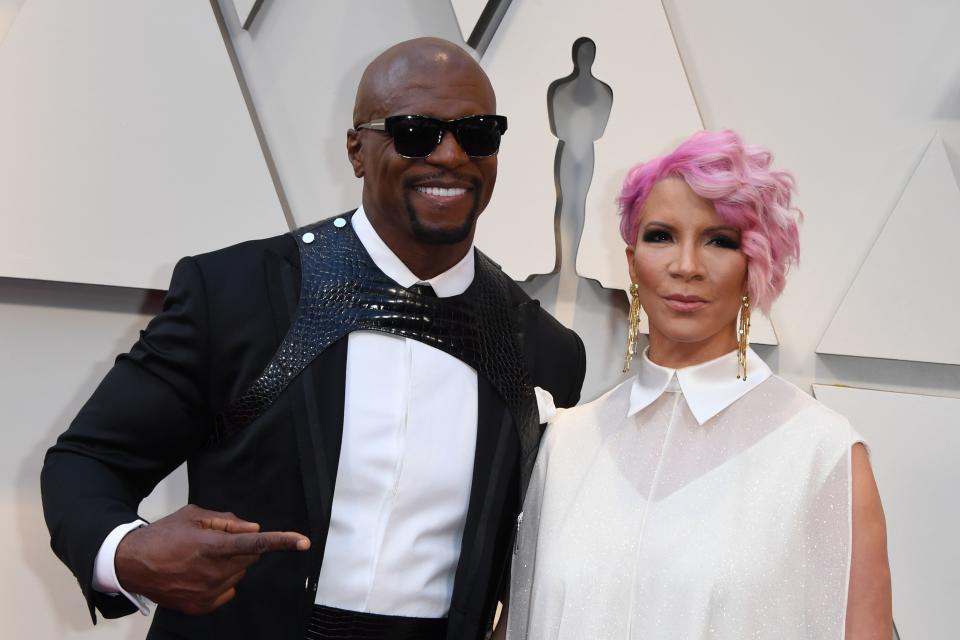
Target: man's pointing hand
{"points": [[192, 559]]}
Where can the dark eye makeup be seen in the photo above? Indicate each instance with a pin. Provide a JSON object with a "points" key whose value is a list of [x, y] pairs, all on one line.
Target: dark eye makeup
{"points": [[725, 242], [660, 235], [657, 235]]}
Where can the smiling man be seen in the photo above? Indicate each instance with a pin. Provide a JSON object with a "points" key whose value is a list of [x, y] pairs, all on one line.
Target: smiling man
{"points": [[354, 401]]}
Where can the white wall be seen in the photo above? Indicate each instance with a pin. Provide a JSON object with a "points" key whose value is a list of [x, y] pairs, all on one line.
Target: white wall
{"points": [[111, 126], [848, 95], [8, 11], [56, 343], [923, 467]]}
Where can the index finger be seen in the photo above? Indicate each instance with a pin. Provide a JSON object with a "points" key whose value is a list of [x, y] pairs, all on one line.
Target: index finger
{"points": [[244, 544], [229, 525]]}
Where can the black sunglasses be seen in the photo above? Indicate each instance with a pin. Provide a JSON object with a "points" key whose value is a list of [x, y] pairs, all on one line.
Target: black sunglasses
{"points": [[418, 136]]}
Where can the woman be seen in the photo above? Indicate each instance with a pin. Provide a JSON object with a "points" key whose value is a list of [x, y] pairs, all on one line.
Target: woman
{"points": [[705, 497]]}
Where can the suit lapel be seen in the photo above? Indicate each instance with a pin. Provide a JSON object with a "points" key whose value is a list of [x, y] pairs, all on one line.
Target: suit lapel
{"points": [[527, 315], [316, 404], [494, 483], [321, 388], [492, 468]]}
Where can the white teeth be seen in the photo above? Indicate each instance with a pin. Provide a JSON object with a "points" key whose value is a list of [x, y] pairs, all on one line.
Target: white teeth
{"points": [[442, 191]]}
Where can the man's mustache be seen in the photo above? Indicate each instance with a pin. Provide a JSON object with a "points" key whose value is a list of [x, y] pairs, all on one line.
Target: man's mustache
{"points": [[441, 175]]}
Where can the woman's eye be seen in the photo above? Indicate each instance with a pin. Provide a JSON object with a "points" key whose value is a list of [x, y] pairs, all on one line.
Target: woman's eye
{"points": [[656, 235], [725, 242]]}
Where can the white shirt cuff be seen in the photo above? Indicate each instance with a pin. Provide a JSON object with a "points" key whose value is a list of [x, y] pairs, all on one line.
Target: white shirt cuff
{"points": [[105, 572]]}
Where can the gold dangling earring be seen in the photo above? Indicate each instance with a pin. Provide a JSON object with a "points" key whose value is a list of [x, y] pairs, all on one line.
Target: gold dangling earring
{"points": [[743, 338], [633, 326]]}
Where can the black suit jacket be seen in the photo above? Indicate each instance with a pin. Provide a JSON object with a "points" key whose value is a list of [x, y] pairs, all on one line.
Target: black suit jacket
{"points": [[223, 318]]}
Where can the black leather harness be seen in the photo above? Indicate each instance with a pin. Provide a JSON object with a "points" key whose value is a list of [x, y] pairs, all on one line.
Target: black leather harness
{"points": [[342, 290]]}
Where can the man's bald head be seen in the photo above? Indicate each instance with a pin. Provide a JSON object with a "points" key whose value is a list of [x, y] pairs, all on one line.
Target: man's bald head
{"points": [[424, 207], [408, 66]]}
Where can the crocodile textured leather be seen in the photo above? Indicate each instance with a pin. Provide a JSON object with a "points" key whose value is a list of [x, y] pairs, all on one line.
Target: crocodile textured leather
{"points": [[342, 290]]}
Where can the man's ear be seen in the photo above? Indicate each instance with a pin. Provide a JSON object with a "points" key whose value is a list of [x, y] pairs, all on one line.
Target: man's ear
{"points": [[355, 152]]}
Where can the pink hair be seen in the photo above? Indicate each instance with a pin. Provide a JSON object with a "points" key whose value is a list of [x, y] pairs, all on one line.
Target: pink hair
{"points": [[745, 193]]}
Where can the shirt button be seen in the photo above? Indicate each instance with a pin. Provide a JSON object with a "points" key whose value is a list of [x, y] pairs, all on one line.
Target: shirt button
{"points": [[308, 237]]}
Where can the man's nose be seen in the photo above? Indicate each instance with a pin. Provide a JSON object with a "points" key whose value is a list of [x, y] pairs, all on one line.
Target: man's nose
{"points": [[448, 153]]}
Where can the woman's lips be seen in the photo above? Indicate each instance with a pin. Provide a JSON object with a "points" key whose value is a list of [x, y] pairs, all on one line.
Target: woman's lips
{"points": [[684, 304]]}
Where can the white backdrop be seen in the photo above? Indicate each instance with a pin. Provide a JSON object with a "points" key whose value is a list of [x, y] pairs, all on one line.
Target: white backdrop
{"points": [[151, 153]]}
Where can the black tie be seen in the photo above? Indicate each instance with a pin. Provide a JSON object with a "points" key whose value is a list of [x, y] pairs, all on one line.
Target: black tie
{"points": [[424, 290]]}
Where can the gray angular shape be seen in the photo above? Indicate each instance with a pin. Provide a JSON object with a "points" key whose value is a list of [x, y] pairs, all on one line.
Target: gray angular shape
{"points": [[247, 11]]}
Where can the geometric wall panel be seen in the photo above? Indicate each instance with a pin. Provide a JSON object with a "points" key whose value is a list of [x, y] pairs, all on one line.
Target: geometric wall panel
{"points": [[914, 441], [532, 48], [247, 11], [126, 143], [301, 63], [904, 302], [467, 12], [8, 11], [762, 330]]}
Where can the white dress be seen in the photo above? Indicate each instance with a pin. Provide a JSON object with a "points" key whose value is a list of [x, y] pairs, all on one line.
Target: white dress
{"points": [[687, 504]]}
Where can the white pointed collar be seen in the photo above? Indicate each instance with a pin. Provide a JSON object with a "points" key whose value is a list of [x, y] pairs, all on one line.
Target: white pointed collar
{"points": [[451, 282], [708, 387]]}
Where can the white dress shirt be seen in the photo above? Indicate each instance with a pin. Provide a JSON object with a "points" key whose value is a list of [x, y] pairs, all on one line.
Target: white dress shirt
{"points": [[405, 470], [406, 463], [688, 504]]}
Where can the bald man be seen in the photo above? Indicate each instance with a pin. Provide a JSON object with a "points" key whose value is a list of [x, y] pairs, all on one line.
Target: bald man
{"points": [[355, 402]]}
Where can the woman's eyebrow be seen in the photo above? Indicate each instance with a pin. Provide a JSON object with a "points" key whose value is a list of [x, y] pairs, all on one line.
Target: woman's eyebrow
{"points": [[657, 223], [721, 227]]}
